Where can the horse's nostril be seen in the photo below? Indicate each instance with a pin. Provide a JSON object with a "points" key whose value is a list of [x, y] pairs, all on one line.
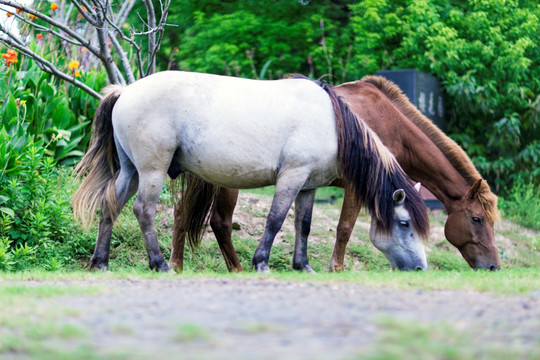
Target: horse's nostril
{"points": [[493, 267], [419, 268]]}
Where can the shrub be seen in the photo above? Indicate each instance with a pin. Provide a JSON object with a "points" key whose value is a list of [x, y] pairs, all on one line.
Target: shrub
{"points": [[522, 204], [40, 129]]}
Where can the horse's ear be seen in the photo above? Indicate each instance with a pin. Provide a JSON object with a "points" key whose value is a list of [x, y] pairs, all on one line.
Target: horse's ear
{"points": [[417, 186], [474, 190], [399, 196]]}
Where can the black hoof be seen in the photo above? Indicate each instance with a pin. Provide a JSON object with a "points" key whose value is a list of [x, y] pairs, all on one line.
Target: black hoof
{"points": [[159, 265], [99, 265]]}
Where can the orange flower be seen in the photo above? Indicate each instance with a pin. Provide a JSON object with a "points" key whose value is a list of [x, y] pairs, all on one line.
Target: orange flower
{"points": [[32, 17], [77, 73], [10, 57], [9, 14], [19, 11], [84, 8], [39, 36], [54, 6], [74, 64]]}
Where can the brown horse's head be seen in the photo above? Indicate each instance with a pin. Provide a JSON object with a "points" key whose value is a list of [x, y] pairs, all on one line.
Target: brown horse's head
{"points": [[469, 227]]}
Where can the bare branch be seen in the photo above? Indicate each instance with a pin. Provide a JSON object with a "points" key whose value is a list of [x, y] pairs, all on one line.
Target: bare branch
{"points": [[102, 36], [99, 32], [151, 16], [123, 57], [123, 13], [85, 14], [47, 30], [53, 22]]}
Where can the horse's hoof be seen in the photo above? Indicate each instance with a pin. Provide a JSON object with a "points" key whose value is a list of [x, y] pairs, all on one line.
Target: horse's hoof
{"points": [[164, 268], [262, 268], [99, 267], [176, 267], [158, 264], [333, 267], [309, 270]]}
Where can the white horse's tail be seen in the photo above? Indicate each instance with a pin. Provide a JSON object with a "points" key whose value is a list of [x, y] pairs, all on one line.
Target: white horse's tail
{"points": [[194, 208], [100, 164]]}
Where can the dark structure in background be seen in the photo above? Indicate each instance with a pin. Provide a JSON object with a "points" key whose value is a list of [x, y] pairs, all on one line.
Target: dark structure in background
{"points": [[424, 91]]}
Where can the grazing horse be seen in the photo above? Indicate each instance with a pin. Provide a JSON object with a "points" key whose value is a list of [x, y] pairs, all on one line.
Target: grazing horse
{"points": [[424, 152], [236, 133]]}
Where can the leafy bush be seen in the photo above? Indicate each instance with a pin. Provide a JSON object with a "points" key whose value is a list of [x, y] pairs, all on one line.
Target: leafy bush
{"points": [[51, 112], [522, 204], [485, 54], [255, 39], [40, 129]]}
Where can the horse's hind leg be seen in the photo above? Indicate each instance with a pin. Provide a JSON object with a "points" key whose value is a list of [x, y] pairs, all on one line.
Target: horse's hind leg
{"points": [[302, 223], [150, 184], [178, 242], [221, 223], [125, 188]]}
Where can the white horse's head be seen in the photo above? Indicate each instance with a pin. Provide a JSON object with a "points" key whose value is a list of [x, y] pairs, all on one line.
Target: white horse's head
{"points": [[402, 246]]}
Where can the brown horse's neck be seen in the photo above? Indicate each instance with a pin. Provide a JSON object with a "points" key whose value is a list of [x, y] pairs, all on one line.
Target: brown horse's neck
{"points": [[417, 154]]}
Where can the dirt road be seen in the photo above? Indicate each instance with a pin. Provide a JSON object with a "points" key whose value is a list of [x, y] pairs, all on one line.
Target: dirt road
{"points": [[270, 319]]}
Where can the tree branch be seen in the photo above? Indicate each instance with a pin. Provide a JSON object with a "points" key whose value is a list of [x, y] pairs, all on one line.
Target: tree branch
{"points": [[53, 22]]}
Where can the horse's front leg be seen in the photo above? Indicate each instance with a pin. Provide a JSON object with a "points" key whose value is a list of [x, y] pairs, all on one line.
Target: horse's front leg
{"points": [[302, 223], [347, 219], [287, 188], [150, 185]]}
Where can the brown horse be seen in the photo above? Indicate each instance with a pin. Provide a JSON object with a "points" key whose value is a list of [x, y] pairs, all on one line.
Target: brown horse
{"points": [[424, 152]]}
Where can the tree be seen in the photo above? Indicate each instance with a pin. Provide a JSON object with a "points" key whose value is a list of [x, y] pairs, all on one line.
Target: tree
{"points": [[87, 33]]}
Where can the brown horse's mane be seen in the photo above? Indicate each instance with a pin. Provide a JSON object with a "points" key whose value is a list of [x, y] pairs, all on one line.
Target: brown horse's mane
{"points": [[453, 152]]}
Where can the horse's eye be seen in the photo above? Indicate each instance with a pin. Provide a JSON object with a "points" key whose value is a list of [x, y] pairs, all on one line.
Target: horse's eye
{"points": [[476, 220], [403, 224]]}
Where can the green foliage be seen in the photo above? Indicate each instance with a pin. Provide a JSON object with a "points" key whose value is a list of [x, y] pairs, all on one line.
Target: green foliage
{"points": [[41, 229], [522, 204], [42, 128], [255, 39], [37, 106], [486, 54]]}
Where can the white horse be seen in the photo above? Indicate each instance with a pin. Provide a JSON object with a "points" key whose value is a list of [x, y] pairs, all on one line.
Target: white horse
{"points": [[235, 133]]}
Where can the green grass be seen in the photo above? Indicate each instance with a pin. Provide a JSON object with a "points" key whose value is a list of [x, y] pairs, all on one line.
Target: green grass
{"points": [[399, 339], [509, 281]]}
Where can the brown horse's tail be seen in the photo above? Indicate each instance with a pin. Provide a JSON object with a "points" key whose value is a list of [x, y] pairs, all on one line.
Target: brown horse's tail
{"points": [[194, 208], [100, 164]]}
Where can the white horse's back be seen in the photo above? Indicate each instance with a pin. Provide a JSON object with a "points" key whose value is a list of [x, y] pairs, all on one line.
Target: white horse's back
{"points": [[229, 131]]}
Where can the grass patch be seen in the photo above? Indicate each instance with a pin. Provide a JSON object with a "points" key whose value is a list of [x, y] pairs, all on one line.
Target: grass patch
{"points": [[192, 332], [437, 341], [504, 282]]}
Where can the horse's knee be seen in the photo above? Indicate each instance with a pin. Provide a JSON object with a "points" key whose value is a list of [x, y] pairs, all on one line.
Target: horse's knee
{"points": [[141, 213], [344, 230], [138, 208], [220, 224]]}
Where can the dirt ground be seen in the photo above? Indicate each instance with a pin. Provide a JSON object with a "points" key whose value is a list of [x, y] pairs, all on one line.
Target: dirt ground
{"points": [[270, 319]]}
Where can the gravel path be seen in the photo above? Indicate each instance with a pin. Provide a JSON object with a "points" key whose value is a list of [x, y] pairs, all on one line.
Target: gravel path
{"points": [[270, 319]]}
